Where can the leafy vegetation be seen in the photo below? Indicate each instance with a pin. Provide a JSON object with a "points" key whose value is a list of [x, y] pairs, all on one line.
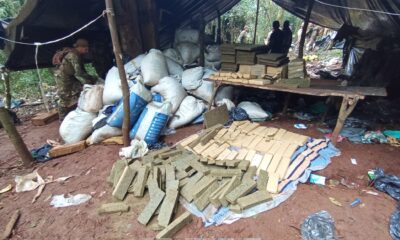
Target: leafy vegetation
{"points": [[243, 14]]}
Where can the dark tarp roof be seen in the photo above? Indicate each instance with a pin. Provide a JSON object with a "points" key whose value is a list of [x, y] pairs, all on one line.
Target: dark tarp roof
{"points": [[44, 20], [371, 23]]}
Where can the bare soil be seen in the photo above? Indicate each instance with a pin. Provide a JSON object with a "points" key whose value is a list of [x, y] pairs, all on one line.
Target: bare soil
{"points": [[91, 167]]}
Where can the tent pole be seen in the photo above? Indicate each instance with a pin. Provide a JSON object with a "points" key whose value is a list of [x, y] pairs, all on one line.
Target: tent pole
{"points": [[15, 138], [118, 57], [219, 28], [256, 24], [202, 43], [304, 30]]}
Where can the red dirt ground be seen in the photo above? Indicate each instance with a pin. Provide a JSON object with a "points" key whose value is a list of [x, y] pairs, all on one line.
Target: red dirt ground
{"points": [[91, 167]]}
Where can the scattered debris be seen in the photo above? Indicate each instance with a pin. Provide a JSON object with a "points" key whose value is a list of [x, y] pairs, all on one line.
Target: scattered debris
{"points": [[350, 186], [336, 202], [6, 189], [318, 226], [356, 202], [317, 179], [387, 183], [11, 224], [137, 149], [28, 182], [300, 126], [333, 183], [353, 161], [61, 201], [370, 192]]}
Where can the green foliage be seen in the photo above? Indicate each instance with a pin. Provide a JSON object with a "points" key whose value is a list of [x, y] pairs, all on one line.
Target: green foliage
{"points": [[244, 13], [10, 8]]}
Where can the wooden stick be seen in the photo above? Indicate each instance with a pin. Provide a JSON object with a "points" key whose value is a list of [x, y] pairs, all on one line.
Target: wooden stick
{"points": [[118, 57], [304, 31], [348, 105], [11, 224], [15, 138]]}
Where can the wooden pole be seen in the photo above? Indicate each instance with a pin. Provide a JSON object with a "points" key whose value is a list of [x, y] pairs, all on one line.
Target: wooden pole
{"points": [[219, 30], [11, 224], [5, 75], [304, 30], [202, 43], [118, 57], [256, 24], [15, 138]]}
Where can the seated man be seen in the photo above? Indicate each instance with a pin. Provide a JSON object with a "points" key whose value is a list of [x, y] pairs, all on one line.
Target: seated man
{"points": [[70, 75], [275, 41]]}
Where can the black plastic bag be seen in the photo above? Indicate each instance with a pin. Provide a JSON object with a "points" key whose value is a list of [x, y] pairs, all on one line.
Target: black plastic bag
{"points": [[318, 226], [387, 183]]}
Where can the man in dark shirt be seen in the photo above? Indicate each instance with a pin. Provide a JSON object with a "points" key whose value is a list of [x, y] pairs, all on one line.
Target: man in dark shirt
{"points": [[287, 37], [275, 41]]}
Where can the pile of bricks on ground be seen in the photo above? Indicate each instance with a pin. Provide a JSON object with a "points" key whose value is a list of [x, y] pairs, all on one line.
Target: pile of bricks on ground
{"points": [[236, 167]]}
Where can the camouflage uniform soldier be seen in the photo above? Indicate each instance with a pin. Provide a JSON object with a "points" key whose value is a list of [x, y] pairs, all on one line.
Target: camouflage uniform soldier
{"points": [[70, 75]]}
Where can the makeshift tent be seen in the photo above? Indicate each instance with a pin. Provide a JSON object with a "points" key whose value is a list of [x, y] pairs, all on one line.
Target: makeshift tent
{"points": [[45, 20]]}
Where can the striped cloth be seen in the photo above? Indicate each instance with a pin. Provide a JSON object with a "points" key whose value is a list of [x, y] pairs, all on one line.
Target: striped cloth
{"points": [[302, 160]]}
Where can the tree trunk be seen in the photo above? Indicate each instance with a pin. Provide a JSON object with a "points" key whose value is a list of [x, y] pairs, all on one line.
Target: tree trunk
{"points": [[256, 24], [15, 138], [124, 83]]}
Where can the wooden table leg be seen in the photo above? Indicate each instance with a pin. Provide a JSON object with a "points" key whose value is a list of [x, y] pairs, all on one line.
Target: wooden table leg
{"points": [[286, 103], [217, 84], [348, 105]]}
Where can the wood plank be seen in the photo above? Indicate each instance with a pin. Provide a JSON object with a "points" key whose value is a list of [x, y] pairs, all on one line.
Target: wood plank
{"points": [[242, 154], [274, 164], [66, 149], [45, 118], [282, 168]]}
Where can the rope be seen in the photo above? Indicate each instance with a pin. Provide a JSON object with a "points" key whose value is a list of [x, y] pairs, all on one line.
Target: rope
{"points": [[357, 9], [38, 44], [59, 39]]}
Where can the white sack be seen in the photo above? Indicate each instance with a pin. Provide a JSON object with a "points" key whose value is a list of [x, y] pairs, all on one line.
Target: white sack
{"points": [[154, 67], [171, 90], [76, 126], [112, 88], [213, 53], [224, 92], [174, 55], [91, 98], [187, 35], [151, 122], [132, 67], [189, 110], [104, 133], [190, 52], [174, 68], [205, 91], [192, 78], [229, 104], [254, 110]]}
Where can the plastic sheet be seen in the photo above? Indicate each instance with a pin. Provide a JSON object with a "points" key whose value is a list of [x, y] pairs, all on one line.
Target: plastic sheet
{"points": [[318, 226], [387, 183]]}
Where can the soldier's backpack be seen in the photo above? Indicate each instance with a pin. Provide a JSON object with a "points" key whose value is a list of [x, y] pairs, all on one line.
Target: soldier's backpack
{"points": [[59, 56]]}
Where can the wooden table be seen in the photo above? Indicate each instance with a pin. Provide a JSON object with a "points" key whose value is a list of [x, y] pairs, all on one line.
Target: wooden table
{"points": [[350, 96]]}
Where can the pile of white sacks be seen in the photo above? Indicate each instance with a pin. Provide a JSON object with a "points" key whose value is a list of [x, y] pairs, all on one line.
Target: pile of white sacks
{"points": [[162, 94]]}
